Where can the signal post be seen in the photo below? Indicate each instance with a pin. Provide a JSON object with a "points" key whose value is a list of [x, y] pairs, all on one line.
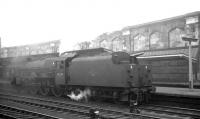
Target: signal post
{"points": [[190, 40]]}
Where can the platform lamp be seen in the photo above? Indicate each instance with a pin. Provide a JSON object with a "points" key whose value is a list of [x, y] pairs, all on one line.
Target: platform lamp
{"points": [[190, 40]]}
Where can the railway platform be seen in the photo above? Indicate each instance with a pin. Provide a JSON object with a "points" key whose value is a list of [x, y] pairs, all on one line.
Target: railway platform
{"points": [[180, 92]]}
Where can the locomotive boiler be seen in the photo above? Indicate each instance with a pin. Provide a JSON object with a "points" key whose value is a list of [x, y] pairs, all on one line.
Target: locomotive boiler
{"points": [[97, 73]]}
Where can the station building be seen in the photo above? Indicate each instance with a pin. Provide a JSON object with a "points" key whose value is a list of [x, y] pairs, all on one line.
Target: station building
{"points": [[32, 49], [162, 45], [26, 53]]}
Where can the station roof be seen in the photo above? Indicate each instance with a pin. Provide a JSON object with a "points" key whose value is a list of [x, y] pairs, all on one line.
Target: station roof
{"points": [[197, 13], [86, 52]]}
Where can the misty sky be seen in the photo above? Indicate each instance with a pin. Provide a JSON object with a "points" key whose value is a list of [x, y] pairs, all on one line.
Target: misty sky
{"points": [[71, 21]]}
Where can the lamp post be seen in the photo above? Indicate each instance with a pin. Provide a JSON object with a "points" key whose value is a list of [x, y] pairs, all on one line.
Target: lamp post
{"points": [[190, 40]]}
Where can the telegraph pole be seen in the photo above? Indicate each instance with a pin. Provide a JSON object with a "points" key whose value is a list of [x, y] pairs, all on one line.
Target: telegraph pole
{"points": [[190, 40]]}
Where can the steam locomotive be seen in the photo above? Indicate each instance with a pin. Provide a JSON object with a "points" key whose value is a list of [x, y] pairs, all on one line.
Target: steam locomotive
{"points": [[97, 73]]}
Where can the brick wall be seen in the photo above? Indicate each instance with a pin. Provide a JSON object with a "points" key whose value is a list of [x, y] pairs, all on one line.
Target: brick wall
{"points": [[160, 34]]}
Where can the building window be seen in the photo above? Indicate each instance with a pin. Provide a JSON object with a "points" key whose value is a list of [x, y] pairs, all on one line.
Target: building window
{"points": [[117, 44], [124, 46], [132, 44], [103, 44], [155, 41], [140, 43], [175, 38]]}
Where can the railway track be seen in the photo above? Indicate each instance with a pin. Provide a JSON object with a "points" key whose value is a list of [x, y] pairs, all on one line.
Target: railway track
{"points": [[172, 110], [79, 110], [150, 111], [8, 112]]}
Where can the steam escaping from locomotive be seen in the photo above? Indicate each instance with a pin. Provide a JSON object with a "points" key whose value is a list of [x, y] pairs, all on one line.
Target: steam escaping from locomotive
{"points": [[79, 95]]}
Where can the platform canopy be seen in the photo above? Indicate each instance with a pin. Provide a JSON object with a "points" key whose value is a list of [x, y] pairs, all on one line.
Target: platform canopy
{"points": [[172, 53]]}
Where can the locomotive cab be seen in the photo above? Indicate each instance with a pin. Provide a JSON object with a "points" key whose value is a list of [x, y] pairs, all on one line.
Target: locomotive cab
{"points": [[58, 82], [140, 81], [61, 79], [59, 72]]}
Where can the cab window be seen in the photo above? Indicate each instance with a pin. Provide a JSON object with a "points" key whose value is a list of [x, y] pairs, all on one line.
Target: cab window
{"points": [[58, 64], [54, 64]]}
